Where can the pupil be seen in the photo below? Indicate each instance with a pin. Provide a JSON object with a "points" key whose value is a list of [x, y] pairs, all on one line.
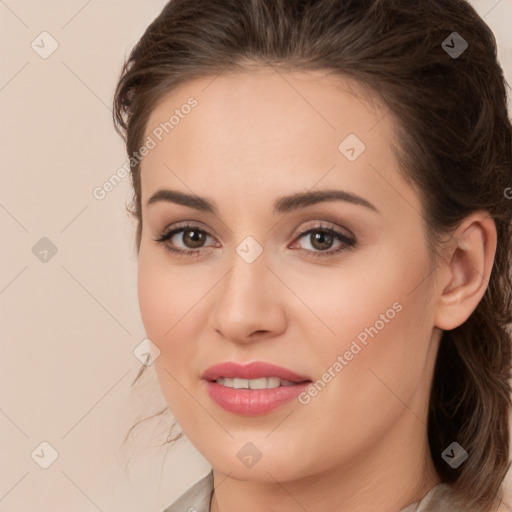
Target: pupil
{"points": [[197, 238], [322, 237]]}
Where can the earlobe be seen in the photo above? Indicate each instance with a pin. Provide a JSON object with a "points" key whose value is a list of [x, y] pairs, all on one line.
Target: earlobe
{"points": [[465, 272]]}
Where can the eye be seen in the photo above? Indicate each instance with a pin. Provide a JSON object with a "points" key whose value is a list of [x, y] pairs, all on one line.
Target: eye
{"points": [[193, 238], [321, 238]]}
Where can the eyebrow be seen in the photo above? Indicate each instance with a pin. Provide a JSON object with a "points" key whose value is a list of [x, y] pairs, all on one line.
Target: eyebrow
{"points": [[283, 204]]}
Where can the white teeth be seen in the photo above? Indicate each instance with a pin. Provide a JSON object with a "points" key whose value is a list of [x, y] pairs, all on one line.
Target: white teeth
{"points": [[262, 383]]}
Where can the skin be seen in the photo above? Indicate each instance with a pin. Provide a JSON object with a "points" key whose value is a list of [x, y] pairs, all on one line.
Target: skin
{"points": [[253, 137]]}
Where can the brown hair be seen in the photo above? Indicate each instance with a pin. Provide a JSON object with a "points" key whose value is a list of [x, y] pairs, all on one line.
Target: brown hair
{"points": [[455, 147]]}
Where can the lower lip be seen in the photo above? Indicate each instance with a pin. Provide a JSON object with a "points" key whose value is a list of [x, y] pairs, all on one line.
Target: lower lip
{"points": [[252, 402]]}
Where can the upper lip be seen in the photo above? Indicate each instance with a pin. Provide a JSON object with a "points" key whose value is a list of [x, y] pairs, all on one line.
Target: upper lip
{"points": [[253, 370]]}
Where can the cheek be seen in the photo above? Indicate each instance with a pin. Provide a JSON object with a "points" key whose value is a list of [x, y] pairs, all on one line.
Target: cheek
{"points": [[394, 358], [161, 303], [163, 294], [170, 307], [376, 317], [364, 293], [155, 299]]}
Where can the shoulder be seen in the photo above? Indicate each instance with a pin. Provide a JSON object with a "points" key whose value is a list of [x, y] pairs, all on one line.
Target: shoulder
{"points": [[196, 498]]}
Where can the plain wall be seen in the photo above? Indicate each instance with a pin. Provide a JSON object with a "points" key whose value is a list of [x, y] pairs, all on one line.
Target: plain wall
{"points": [[70, 320]]}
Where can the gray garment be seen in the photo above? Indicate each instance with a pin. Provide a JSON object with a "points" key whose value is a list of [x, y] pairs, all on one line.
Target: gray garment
{"points": [[198, 497]]}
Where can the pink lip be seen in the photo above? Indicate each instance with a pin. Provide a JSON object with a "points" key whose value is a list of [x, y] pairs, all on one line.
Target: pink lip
{"points": [[252, 402], [254, 370]]}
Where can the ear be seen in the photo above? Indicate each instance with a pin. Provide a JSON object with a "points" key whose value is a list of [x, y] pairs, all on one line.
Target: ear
{"points": [[464, 273]]}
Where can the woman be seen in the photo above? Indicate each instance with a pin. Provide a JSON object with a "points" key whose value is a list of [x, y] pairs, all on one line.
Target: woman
{"points": [[322, 190]]}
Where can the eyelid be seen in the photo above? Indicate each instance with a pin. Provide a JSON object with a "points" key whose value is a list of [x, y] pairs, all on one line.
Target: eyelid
{"points": [[348, 240], [180, 227], [197, 224], [327, 226]]}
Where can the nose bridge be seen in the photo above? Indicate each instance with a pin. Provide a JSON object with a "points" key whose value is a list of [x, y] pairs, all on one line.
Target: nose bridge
{"points": [[248, 276], [245, 302]]}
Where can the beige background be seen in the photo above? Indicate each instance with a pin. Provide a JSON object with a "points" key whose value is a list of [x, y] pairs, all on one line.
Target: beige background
{"points": [[69, 324]]}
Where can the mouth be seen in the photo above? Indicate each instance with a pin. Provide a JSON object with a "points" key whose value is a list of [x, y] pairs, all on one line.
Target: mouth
{"points": [[261, 383], [255, 375], [252, 389]]}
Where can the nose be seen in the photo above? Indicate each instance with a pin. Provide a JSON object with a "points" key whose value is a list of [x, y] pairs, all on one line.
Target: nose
{"points": [[249, 302]]}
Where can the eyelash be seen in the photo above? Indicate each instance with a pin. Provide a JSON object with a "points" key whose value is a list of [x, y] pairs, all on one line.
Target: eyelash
{"points": [[349, 243]]}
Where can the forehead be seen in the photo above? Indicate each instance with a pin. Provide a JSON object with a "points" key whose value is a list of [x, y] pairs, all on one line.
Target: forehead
{"points": [[266, 99], [289, 129]]}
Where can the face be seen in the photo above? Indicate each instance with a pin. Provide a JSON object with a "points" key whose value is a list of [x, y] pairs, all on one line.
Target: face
{"points": [[336, 290]]}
